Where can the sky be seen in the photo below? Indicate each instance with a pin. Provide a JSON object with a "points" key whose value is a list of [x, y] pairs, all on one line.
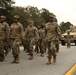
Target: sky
{"points": [[65, 10]]}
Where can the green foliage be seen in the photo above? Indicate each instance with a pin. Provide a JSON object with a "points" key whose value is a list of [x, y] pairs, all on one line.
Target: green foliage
{"points": [[45, 14], [5, 8], [27, 13], [65, 26]]}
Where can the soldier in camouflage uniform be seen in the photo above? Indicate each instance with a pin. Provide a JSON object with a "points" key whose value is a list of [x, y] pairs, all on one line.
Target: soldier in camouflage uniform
{"points": [[42, 40], [4, 36], [31, 35], [52, 30], [16, 32], [68, 39]]}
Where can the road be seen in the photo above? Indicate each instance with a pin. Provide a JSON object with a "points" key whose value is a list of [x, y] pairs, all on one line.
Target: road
{"points": [[66, 58]]}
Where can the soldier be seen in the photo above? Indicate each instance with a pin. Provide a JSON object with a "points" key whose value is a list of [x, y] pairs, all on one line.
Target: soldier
{"points": [[4, 36], [16, 32], [52, 30], [42, 40], [31, 35], [68, 39]]}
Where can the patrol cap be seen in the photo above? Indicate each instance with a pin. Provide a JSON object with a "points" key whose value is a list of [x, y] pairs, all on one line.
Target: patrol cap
{"points": [[3, 17], [16, 16]]}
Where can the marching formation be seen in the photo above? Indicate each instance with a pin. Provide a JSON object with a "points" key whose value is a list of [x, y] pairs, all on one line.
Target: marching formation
{"points": [[46, 38]]}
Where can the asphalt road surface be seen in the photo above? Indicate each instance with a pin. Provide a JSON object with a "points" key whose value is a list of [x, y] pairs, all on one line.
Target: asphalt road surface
{"points": [[66, 58]]}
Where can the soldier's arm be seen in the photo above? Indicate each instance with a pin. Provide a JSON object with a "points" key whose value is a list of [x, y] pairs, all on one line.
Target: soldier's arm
{"points": [[58, 32], [36, 33], [7, 32], [26, 33], [21, 31]]}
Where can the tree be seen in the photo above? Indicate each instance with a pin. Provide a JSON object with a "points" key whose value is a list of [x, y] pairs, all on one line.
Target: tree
{"points": [[35, 15], [22, 14], [65, 26], [6, 7], [27, 13], [45, 14]]}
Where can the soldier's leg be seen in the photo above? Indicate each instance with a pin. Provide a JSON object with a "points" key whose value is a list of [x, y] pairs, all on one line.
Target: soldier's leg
{"points": [[24, 44], [16, 50], [31, 50], [27, 46], [42, 48], [57, 48], [14, 60], [68, 44], [53, 49], [6, 48], [2, 56], [45, 45], [49, 54], [37, 47]]}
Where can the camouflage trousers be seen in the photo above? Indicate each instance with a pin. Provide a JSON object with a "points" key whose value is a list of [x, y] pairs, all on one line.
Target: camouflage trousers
{"points": [[7, 47], [41, 46], [57, 45], [51, 49], [31, 42], [15, 46], [68, 43], [1, 48], [24, 44]]}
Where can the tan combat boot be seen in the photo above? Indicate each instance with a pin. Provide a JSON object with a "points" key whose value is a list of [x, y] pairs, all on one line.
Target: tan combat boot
{"points": [[54, 59], [17, 59], [49, 62], [31, 57], [42, 55], [14, 60]]}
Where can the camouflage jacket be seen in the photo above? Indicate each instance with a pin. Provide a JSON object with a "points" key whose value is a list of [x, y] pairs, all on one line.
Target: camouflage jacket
{"points": [[16, 30], [42, 33], [31, 32], [4, 30], [52, 31]]}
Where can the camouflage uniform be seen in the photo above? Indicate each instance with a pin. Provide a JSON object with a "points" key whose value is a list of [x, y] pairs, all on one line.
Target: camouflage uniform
{"points": [[57, 45], [31, 35], [52, 30], [4, 35], [68, 39], [16, 32], [42, 40]]}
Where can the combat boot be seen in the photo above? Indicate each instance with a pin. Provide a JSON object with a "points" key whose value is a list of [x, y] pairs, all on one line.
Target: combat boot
{"points": [[49, 61], [17, 59], [54, 59], [42, 55], [14, 60], [31, 57], [2, 58]]}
